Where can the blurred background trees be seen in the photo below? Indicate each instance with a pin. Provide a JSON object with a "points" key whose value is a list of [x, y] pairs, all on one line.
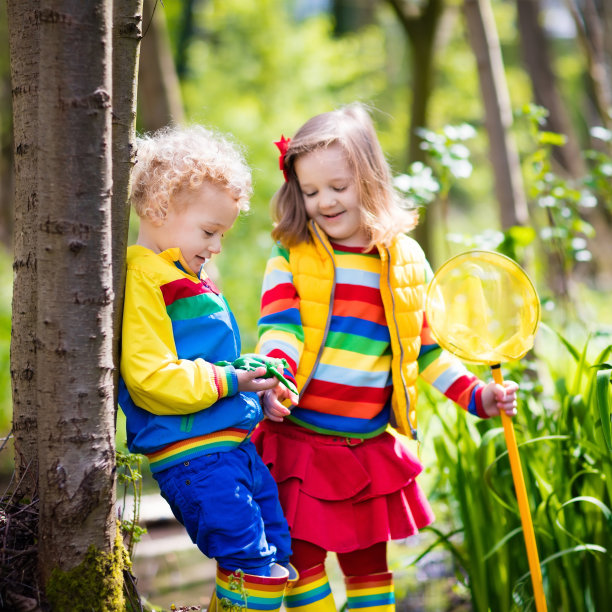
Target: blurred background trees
{"points": [[495, 115]]}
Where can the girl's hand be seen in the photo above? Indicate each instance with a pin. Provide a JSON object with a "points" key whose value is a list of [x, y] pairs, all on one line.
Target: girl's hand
{"points": [[271, 400], [496, 398], [250, 380]]}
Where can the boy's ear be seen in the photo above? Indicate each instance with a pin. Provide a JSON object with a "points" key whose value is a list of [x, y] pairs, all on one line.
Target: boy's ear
{"points": [[151, 220]]}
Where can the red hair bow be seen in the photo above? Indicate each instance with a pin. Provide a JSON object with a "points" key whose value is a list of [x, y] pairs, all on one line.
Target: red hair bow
{"points": [[283, 145]]}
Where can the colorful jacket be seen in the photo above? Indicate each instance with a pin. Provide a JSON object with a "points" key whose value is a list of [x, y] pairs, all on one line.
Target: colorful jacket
{"points": [[296, 327], [176, 326]]}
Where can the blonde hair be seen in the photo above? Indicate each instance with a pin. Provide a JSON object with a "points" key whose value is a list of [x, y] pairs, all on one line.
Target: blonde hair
{"points": [[384, 212], [177, 158]]}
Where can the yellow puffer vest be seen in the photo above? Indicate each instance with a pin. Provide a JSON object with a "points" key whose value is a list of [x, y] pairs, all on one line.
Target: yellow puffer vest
{"points": [[402, 286]]}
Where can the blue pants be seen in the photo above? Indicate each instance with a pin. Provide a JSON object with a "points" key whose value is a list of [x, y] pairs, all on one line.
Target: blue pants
{"points": [[228, 502]]}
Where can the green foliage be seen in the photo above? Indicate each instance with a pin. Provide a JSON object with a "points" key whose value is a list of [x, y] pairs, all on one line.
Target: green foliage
{"points": [[129, 483], [96, 584], [599, 179], [563, 429], [446, 149], [560, 202]]}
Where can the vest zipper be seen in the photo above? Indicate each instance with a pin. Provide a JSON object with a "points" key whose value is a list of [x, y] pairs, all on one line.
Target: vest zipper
{"points": [[413, 431], [329, 312]]}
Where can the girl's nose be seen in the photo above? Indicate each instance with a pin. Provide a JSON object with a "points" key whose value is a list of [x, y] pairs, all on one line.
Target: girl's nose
{"points": [[328, 200]]}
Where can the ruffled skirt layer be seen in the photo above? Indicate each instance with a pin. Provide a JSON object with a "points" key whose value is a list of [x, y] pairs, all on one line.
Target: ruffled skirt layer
{"points": [[343, 494]]}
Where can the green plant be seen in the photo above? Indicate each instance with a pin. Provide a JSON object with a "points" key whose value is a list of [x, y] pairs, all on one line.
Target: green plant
{"points": [[563, 428], [129, 479]]}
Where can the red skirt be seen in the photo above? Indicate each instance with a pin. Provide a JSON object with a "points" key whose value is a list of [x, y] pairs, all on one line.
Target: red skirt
{"points": [[343, 494]]}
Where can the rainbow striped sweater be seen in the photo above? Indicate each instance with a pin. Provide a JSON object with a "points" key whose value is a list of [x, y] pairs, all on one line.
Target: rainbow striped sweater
{"points": [[176, 326], [350, 389]]}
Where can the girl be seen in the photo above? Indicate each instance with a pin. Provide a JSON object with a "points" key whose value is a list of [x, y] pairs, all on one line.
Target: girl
{"points": [[343, 300]]}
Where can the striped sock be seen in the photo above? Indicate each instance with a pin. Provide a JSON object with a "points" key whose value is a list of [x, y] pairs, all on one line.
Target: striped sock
{"points": [[374, 592], [311, 593], [248, 592]]}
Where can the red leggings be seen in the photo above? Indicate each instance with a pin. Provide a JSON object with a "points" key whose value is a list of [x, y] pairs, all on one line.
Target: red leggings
{"points": [[364, 562]]}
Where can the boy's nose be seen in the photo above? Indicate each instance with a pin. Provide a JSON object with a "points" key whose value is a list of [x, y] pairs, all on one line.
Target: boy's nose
{"points": [[215, 247]]}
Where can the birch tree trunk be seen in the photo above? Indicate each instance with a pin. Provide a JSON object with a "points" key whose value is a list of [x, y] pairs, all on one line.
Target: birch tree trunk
{"points": [[482, 33], [74, 331], [24, 52], [127, 34]]}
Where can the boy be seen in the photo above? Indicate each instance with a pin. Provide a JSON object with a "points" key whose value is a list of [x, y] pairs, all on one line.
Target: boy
{"points": [[190, 417]]}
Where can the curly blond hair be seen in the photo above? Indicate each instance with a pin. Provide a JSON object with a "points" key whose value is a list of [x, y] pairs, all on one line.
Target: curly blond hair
{"points": [[177, 158]]}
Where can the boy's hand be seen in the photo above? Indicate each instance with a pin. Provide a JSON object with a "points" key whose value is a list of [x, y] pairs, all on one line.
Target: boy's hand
{"points": [[251, 380], [496, 398], [271, 400]]}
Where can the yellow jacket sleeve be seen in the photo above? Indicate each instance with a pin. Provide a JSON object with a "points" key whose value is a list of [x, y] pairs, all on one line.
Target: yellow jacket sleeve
{"points": [[155, 377]]}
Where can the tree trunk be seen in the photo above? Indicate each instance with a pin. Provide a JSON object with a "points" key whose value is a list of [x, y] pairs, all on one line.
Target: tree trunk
{"points": [[420, 28], [536, 58], [352, 15], [127, 34], [158, 86], [6, 143], [606, 9], [24, 52], [6, 155], [74, 331], [590, 26], [185, 36], [509, 189]]}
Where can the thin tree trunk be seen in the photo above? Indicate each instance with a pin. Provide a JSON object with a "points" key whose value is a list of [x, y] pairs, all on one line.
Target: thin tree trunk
{"points": [[24, 52], [351, 15], [536, 58], [420, 28], [74, 332], [606, 24], [158, 85], [127, 34], [591, 28], [483, 38]]}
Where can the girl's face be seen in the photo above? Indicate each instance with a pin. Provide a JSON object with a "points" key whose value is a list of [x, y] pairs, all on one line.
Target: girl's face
{"points": [[329, 190]]}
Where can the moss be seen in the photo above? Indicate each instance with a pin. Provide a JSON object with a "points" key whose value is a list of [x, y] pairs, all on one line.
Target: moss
{"points": [[94, 585]]}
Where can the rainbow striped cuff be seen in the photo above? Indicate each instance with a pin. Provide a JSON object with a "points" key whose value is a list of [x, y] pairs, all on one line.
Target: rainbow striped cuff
{"points": [[225, 380], [311, 592], [249, 592], [216, 442], [475, 405], [374, 592]]}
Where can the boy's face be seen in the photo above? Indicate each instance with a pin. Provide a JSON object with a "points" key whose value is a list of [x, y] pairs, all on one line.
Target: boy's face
{"points": [[195, 223]]}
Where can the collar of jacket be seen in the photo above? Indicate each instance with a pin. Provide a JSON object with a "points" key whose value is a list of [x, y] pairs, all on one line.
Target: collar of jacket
{"points": [[172, 256]]}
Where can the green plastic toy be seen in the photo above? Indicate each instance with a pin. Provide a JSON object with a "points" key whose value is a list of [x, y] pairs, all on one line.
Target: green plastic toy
{"points": [[274, 367]]}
